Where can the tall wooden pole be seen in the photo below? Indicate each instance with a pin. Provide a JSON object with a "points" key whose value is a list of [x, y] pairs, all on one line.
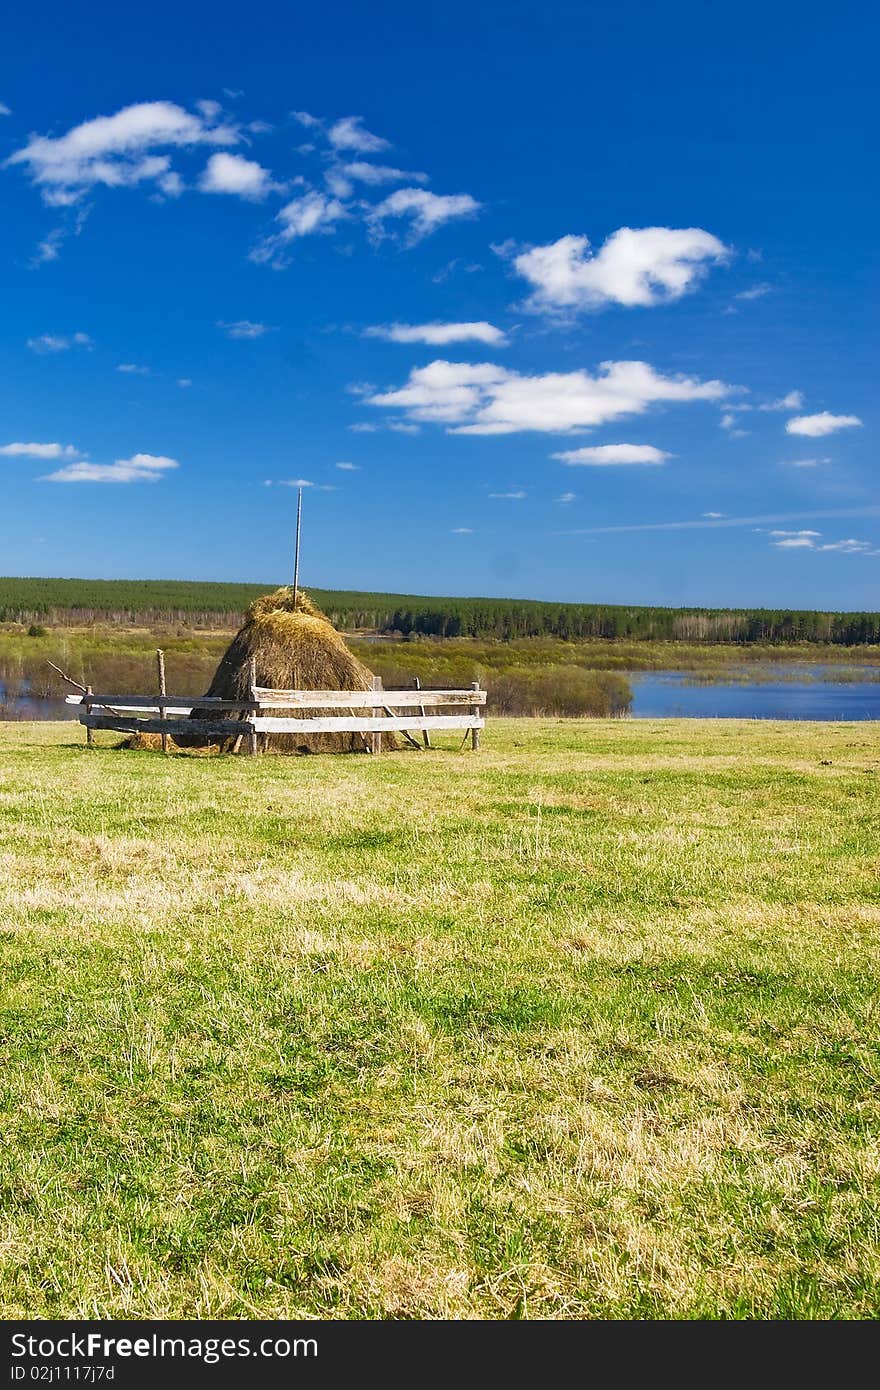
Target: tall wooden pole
{"points": [[299, 508], [163, 713], [252, 714]]}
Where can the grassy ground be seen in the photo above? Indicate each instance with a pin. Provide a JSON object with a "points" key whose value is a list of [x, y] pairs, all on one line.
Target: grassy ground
{"points": [[583, 1025]]}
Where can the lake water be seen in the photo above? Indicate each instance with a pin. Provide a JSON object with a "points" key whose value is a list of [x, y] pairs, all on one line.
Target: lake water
{"points": [[29, 707], [784, 692], [816, 695]]}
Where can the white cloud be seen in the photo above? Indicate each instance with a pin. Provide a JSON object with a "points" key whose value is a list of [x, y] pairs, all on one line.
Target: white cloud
{"points": [[301, 482], [817, 425], [132, 369], [363, 427], [376, 174], [481, 398], [428, 211], [140, 468], [567, 497], [49, 249], [4, 109], [349, 467], [756, 522], [243, 328], [712, 516], [171, 184], [312, 213], [116, 151], [804, 463], [438, 334], [401, 427], [516, 496], [38, 451], [462, 531], [755, 292], [851, 547], [338, 183], [603, 455], [231, 173], [729, 422], [808, 540], [349, 133], [792, 401], [308, 214], [184, 381], [635, 266], [50, 342]]}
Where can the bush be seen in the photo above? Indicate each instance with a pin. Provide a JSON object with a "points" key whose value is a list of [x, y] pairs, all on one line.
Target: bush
{"points": [[569, 691], [543, 688], [36, 631]]}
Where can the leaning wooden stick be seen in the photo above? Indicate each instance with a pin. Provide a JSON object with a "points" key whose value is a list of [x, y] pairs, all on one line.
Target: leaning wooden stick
{"points": [[65, 677], [409, 738], [84, 689]]}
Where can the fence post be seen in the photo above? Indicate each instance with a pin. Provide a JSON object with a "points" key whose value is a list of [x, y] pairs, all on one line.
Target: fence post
{"points": [[163, 714], [377, 738], [252, 738], [426, 737], [475, 709], [90, 733]]}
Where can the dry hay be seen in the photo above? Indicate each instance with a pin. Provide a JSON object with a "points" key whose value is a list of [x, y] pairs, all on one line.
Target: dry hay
{"points": [[146, 742], [142, 742], [295, 648]]}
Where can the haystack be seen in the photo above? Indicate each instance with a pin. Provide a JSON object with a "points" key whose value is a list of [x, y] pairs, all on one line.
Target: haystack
{"points": [[295, 648]]}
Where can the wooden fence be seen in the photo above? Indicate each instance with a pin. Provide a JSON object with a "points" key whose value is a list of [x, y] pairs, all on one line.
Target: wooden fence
{"points": [[367, 712]]}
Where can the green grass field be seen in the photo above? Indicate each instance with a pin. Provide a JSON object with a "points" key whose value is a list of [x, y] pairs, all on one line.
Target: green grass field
{"points": [[581, 1026]]}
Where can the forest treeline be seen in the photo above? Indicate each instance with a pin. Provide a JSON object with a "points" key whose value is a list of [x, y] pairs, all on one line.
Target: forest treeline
{"points": [[204, 605]]}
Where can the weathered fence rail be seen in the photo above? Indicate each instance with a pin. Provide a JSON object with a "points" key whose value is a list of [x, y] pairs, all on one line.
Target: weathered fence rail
{"points": [[374, 712]]}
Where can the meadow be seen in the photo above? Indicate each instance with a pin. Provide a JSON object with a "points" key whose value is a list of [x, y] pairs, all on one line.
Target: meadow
{"points": [[581, 1026]]}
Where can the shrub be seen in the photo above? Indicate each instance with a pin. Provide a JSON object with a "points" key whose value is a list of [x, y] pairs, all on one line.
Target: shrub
{"points": [[569, 691]]}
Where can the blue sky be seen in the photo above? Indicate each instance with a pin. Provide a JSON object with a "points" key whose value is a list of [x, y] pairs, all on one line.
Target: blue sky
{"points": [[573, 301]]}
